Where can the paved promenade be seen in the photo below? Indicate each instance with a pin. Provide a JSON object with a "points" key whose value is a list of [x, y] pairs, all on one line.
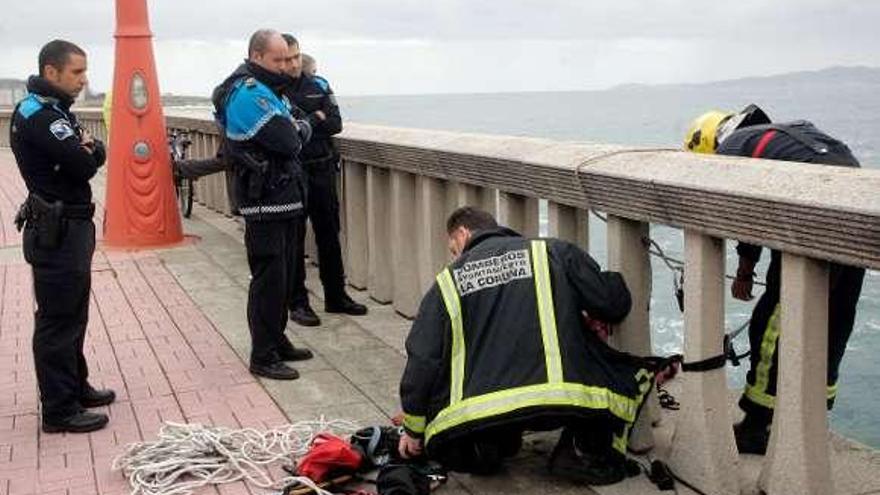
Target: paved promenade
{"points": [[168, 332]]}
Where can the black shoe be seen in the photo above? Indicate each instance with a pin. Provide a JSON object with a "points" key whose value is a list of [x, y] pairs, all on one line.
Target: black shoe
{"points": [[751, 437], [81, 422], [305, 316], [295, 354], [97, 398], [584, 467], [276, 371], [345, 305]]}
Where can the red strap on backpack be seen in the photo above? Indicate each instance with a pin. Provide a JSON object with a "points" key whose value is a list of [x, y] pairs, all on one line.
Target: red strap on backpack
{"points": [[328, 454], [762, 144]]}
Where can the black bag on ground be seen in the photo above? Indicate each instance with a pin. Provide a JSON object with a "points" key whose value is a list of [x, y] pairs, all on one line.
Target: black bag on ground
{"points": [[402, 479]]}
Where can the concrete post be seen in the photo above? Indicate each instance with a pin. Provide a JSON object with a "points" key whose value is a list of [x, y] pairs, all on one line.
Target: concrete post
{"points": [[488, 200], [404, 244], [468, 195], [628, 255], [569, 223], [797, 461], [432, 247], [703, 448], [198, 152], [356, 254], [520, 213], [381, 281]]}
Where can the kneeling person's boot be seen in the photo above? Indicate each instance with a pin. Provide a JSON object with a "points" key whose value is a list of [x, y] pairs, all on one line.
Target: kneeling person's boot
{"points": [[587, 463], [79, 422], [752, 435]]}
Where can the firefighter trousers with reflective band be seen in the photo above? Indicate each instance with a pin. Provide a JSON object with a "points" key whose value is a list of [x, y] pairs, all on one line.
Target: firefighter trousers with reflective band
{"points": [[268, 251], [62, 281], [322, 208], [759, 397]]}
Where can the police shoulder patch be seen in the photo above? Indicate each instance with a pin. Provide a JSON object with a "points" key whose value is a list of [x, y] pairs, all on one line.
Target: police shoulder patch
{"points": [[61, 129]]}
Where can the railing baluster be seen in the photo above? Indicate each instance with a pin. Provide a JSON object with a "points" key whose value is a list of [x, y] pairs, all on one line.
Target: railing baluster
{"points": [[569, 223], [381, 281], [797, 461], [703, 450], [404, 244], [431, 197], [628, 254], [356, 252]]}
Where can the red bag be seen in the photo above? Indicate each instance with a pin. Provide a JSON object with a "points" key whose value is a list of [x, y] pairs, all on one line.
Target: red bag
{"points": [[328, 454]]}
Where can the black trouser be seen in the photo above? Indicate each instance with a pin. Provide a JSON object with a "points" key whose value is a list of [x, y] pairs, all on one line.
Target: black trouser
{"points": [[268, 246], [845, 287], [483, 452], [62, 283], [322, 209]]}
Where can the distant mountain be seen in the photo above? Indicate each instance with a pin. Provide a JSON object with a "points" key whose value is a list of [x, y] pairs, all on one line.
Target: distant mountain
{"points": [[857, 75]]}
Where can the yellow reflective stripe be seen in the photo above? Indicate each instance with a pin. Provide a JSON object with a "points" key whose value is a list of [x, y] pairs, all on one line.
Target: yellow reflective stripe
{"points": [[757, 393], [453, 308], [543, 395], [644, 379], [546, 312], [415, 424], [832, 391]]}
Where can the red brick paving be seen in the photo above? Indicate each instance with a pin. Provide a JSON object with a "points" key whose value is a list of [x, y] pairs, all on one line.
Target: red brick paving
{"points": [[146, 339]]}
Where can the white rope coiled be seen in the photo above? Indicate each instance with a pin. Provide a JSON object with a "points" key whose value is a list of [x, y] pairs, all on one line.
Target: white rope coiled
{"points": [[186, 457]]}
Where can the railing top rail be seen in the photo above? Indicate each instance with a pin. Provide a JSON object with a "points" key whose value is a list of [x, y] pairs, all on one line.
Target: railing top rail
{"points": [[820, 211]]}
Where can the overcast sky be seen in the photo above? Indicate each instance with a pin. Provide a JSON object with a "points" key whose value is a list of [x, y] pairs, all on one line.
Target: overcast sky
{"points": [[434, 46]]}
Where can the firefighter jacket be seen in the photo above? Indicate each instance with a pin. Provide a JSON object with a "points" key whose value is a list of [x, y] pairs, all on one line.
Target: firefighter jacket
{"points": [[499, 340]]}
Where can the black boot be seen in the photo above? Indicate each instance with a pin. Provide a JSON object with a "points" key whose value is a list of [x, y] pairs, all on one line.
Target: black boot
{"points": [[345, 305], [592, 468], [295, 354], [80, 422], [92, 397], [305, 316], [752, 435], [276, 371]]}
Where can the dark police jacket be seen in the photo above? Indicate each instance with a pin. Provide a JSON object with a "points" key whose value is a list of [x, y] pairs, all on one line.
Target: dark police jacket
{"points": [[799, 141], [499, 340], [311, 94], [263, 142], [46, 140]]}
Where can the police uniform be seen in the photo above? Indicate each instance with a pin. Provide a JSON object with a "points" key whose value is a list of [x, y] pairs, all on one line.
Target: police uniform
{"points": [[320, 162], [798, 141], [263, 142], [58, 240], [499, 347]]}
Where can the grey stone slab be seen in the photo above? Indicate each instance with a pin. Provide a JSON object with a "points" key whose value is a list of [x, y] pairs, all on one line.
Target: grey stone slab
{"points": [[368, 365], [385, 394], [314, 389], [344, 336], [361, 413]]}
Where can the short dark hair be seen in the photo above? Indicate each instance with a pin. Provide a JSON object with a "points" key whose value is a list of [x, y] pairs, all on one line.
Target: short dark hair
{"points": [[57, 53], [471, 218], [259, 41], [290, 39]]}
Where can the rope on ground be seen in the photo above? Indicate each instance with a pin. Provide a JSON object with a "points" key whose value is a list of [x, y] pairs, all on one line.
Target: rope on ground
{"points": [[189, 456]]}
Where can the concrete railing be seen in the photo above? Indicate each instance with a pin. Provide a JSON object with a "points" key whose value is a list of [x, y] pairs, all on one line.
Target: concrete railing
{"points": [[399, 185]]}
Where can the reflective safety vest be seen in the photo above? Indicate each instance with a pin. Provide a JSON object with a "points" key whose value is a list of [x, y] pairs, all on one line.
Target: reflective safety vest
{"points": [[553, 394]]}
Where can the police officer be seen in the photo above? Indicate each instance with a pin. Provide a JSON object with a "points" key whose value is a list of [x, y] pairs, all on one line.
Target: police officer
{"points": [[499, 347], [320, 161], [263, 142], [57, 158], [751, 133]]}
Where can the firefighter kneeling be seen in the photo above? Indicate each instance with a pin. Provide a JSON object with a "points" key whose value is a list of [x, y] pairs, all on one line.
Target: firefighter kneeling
{"points": [[499, 347]]}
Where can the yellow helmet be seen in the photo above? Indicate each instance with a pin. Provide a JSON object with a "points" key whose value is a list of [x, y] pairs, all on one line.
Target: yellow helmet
{"points": [[702, 137], [712, 128]]}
